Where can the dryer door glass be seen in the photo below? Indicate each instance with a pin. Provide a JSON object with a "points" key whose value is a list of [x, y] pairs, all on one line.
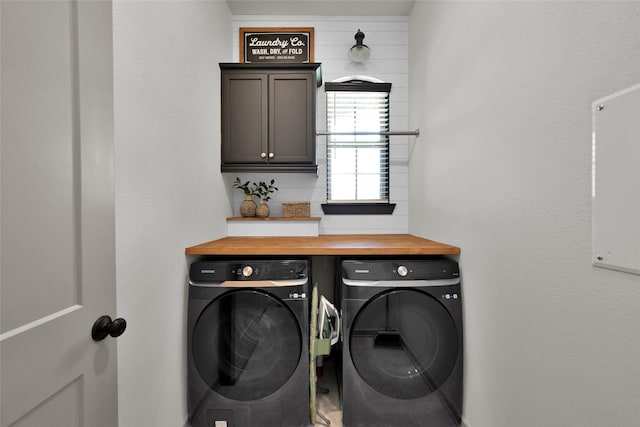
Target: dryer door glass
{"points": [[246, 344], [404, 343]]}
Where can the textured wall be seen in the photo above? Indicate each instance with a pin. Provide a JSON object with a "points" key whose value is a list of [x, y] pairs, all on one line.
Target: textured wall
{"points": [[169, 192], [387, 37], [502, 92]]}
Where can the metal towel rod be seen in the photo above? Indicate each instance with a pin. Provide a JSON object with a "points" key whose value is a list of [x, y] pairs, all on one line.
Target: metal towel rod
{"points": [[390, 133]]}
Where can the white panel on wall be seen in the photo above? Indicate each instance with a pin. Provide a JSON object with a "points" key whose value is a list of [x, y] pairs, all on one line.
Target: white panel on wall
{"points": [[616, 173]]}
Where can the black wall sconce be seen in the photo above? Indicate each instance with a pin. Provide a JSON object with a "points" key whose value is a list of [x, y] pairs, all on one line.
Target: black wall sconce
{"points": [[360, 52]]}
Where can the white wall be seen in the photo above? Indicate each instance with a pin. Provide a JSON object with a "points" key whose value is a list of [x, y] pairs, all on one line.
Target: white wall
{"points": [[169, 191], [502, 92], [387, 38]]}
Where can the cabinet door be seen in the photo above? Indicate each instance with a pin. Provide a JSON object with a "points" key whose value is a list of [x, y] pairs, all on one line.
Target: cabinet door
{"points": [[292, 118], [244, 117]]}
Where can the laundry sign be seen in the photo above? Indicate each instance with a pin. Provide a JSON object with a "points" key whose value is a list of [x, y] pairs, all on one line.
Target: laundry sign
{"points": [[276, 45]]}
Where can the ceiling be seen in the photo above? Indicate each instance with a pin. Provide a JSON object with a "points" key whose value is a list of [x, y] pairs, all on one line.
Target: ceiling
{"points": [[321, 7]]}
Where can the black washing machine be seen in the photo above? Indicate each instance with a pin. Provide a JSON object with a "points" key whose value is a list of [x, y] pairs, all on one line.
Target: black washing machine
{"points": [[248, 343], [402, 343]]}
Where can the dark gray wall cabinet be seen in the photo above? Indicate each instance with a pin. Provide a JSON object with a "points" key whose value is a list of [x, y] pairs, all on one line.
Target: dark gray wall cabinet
{"points": [[269, 117]]}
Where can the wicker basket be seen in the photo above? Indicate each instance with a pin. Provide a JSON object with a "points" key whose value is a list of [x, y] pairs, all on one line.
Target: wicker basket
{"points": [[296, 209]]}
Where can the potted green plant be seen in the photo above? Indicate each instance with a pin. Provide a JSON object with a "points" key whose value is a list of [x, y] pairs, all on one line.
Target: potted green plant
{"points": [[248, 205], [264, 190]]}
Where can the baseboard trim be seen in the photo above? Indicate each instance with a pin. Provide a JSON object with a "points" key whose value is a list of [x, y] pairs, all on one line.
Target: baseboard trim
{"points": [[463, 423]]}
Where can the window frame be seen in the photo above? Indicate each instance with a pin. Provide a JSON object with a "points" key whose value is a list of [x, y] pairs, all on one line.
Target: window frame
{"points": [[359, 84]]}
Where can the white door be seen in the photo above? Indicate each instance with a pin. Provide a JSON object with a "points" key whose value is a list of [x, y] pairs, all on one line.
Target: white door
{"points": [[57, 216]]}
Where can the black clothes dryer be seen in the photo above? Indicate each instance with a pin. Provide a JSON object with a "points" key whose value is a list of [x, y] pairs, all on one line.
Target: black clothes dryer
{"points": [[402, 343], [248, 343]]}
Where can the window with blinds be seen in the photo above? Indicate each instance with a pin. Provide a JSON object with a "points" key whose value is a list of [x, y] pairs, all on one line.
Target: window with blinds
{"points": [[357, 153]]}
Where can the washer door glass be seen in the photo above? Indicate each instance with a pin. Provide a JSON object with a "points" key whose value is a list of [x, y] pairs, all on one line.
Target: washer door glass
{"points": [[246, 344], [404, 343]]}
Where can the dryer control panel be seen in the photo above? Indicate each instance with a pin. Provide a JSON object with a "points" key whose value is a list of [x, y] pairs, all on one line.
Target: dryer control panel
{"points": [[429, 269]]}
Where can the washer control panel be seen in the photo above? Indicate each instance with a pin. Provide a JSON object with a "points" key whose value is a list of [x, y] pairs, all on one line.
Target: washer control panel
{"points": [[218, 271], [259, 270]]}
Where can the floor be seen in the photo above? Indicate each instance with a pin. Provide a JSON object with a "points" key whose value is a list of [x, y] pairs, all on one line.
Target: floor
{"points": [[328, 404]]}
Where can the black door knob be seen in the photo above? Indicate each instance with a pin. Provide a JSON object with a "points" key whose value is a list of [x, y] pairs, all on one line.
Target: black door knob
{"points": [[105, 326]]}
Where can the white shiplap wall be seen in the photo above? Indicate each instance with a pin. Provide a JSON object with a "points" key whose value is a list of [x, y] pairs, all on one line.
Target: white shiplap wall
{"points": [[333, 36]]}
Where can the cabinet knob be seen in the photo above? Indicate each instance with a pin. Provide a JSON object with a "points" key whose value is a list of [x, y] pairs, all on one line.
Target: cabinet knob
{"points": [[263, 155], [271, 155]]}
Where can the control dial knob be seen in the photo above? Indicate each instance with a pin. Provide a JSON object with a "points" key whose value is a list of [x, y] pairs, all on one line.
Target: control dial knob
{"points": [[402, 270], [247, 271]]}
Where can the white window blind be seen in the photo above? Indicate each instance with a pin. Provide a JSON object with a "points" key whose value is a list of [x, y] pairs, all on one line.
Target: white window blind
{"points": [[357, 155]]}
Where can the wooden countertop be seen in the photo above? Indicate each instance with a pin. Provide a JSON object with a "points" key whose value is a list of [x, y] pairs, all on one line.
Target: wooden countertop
{"points": [[324, 244]]}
